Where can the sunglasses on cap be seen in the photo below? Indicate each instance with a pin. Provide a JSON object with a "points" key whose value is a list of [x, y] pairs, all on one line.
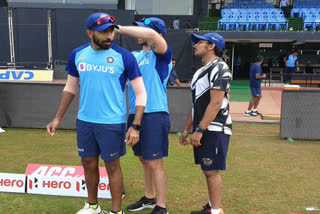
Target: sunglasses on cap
{"points": [[104, 20], [149, 23]]}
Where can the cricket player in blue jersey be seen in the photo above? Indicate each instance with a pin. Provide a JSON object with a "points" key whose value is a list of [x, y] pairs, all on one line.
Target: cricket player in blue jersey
{"points": [[291, 61], [102, 70], [154, 61]]}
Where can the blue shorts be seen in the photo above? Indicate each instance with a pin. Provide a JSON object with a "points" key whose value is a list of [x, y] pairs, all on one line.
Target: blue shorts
{"points": [[154, 136], [96, 139], [212, 153], [255, 92], [289, 69]]}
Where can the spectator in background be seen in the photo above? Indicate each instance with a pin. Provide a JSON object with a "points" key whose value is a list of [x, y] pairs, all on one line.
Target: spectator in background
{"points": [[283, 5], [176, 23], [188, 24], [291, 62], [271, 63], [309, 67], [173, 78], [237, 64], [256, 77], [281, 63], [223, 4]]}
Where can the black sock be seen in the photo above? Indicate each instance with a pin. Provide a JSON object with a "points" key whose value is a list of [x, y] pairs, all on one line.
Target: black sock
{"points": [[92, 203], [148, 198], [164, 208]]}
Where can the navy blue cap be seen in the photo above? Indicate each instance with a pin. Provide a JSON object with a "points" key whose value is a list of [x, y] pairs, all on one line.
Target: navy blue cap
{"points": [[153, 23], [211, 37], [92, 25]]}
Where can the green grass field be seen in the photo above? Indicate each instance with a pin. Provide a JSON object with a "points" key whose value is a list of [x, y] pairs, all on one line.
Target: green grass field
{"points": [[265, 174]]}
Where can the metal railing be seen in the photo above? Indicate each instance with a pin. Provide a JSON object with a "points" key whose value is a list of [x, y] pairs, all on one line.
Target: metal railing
{"points": [[302, 79]]}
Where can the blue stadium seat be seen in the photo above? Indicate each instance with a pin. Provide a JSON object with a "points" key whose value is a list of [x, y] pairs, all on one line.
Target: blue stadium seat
{"points": [[257, 15]]}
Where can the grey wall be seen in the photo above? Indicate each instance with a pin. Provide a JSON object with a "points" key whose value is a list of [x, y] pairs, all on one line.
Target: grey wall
{"points": [[300, 114], [30, 34], [33, 105]]}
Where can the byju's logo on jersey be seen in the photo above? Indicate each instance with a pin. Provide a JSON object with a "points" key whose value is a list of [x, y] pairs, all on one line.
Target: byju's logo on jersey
{"points": [[98, 68], [82, 66], [110, 60], [146, 60]]}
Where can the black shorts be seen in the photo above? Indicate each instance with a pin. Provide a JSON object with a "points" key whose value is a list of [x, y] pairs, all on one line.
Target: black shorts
{"points": [[212, 153]]}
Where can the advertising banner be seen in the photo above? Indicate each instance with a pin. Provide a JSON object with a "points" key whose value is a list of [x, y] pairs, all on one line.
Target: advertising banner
{"points": [[14, 183], [63, 180], [64, 186], [60, 171], [26, 75]]}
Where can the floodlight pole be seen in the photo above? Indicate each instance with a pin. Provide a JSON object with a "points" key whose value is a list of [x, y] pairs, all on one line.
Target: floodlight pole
{"points": [[232, 61], [11, 39], [49, 41]]}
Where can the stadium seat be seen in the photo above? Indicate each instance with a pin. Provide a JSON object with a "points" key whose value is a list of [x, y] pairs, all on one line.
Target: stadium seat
{"points": [[252, 17], [309, 11]]}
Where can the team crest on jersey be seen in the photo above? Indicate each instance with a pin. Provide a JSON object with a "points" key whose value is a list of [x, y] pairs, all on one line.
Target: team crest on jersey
{"points": [[147, 55], [110, 60]]}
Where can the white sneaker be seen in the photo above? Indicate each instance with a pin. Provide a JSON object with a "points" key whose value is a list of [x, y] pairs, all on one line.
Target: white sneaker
{"points": [[2, 130], [87, 210]]}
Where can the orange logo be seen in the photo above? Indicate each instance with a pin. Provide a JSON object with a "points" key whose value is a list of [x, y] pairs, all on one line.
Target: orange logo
{"points": [[112, 155], [155, 155]]}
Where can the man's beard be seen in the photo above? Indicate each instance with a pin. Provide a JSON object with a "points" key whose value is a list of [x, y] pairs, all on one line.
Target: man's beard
{"points": [[143, 43], [102, 44]]}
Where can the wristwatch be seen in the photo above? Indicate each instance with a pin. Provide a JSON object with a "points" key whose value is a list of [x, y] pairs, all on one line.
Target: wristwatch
{"points": [[198, 129], [136, 127]]}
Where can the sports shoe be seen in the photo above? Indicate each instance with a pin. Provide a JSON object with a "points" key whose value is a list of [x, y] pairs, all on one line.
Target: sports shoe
{"points": [[256, 113], [143, 203], [105, 212], [2, 130], [247, 113], [206, 210], [159, 210], [87, 210]]}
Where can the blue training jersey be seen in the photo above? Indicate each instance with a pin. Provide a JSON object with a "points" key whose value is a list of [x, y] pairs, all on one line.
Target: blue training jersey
{"points": [[103, 75], [291, 60], [155, 70], [255, 69]]}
